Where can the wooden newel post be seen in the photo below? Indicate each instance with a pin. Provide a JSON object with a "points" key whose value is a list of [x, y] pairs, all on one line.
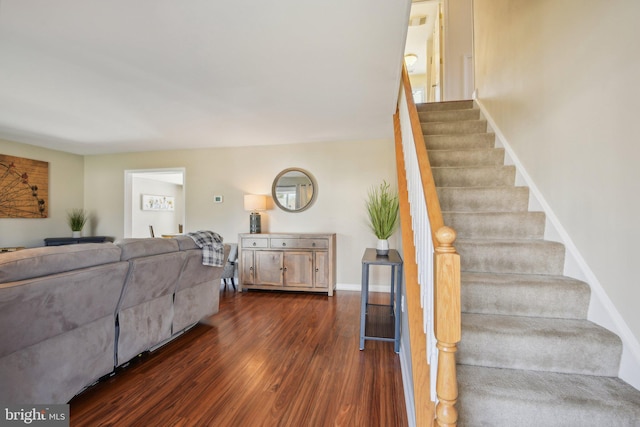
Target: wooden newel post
{"points": [[447, 324]]}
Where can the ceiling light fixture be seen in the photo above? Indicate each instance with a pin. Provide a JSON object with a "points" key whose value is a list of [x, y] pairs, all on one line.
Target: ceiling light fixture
{"points": [[410, 59]]}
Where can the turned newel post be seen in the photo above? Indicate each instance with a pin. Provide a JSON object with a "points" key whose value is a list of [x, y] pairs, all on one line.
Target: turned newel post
{"points": [[447, 324]]}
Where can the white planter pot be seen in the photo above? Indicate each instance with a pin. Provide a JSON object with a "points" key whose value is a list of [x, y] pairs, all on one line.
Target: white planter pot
{"points": [[382, 247], [75, 234]]}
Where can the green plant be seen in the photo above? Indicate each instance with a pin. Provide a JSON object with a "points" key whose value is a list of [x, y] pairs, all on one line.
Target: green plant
{"points": [[77, 218], [382, 206]]}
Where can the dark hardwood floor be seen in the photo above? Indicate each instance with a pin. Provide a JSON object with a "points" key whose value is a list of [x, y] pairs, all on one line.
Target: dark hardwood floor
{"points": [[266, 359]]}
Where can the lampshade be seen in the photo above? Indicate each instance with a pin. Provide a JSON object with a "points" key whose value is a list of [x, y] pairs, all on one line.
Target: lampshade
{"points": [[255, 202]]}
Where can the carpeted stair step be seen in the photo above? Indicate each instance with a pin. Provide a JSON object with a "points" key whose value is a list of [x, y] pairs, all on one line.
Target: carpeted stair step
{"points": [[490, 397], [440, 106], [457, 158], [524, 295], [485, 176], [460, 142], [572, 346], [449, 115], [483, 199], [511, 256], [443, 128], [496, 225]]}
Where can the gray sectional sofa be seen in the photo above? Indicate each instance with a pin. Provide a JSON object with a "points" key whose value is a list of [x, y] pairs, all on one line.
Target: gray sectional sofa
{"points": [[71, 314]]}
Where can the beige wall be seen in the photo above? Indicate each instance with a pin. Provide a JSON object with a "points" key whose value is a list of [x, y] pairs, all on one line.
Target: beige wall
{"points": [[344, 172], [561, 81], [66, 185], [458, 44]]}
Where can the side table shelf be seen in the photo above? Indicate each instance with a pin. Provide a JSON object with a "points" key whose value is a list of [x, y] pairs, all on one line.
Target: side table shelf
{"points": [[381, 322]]}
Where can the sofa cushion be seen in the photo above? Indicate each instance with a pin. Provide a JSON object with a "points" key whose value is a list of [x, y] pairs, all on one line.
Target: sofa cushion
{"points": [[185, 243], [38, 262], [44, 307], [135, 248]]}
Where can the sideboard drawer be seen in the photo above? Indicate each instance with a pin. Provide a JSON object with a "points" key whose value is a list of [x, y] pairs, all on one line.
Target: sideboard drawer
{"points": [[299, 243], [255, 243]]}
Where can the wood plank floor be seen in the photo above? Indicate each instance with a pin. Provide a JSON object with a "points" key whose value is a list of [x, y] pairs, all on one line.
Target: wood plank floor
{"points": [[266, 359]]}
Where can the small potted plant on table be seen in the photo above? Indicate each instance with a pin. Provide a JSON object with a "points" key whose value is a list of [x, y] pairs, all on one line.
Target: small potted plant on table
{"points": [[382, 206], [76, 219]]}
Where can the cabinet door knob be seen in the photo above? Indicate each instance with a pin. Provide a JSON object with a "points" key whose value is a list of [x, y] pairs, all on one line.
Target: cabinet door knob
{"points": [[313, 244], [254, 243], [284, 244], [317, 270]]}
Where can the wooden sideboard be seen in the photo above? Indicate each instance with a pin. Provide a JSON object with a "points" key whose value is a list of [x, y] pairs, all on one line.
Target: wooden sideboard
{"points": [[288, 262]]}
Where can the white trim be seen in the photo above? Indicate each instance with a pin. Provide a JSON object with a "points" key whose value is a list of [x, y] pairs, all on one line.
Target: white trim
{"points": [[602, 311], [407, 381]]}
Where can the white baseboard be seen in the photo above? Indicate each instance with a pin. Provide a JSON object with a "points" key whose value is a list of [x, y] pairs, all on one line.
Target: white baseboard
{"points": [[407, 382], [602, 311]]}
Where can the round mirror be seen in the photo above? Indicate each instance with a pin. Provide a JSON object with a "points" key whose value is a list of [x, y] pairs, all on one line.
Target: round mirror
{"points": [[294, 190]]}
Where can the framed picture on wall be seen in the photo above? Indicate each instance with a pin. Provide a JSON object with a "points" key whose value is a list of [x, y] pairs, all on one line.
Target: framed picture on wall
{"points": [[152, 202]]}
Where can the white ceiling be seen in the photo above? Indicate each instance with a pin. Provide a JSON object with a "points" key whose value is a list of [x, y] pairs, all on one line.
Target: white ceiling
{"points": [[103, 76]]}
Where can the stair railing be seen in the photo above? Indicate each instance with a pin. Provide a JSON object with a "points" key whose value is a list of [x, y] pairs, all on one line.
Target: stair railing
{"points": [[432, 272]]}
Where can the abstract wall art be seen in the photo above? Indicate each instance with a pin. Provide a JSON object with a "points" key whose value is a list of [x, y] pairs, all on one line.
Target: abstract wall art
{"points": [[24, 187]]}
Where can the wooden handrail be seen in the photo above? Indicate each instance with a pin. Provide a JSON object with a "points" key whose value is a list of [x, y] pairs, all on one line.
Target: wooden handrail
{"points": [[428, 183], [446, 283]]}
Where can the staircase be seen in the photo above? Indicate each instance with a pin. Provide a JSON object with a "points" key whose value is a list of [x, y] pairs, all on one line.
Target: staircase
{"points": [[528, 356]]}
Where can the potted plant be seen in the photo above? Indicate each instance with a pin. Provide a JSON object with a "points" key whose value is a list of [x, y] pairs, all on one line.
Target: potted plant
{"points": [[77, 218], [382, 206]]}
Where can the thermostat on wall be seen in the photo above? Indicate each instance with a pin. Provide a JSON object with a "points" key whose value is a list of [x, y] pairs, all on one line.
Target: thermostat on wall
{"points": [[217, 199]]}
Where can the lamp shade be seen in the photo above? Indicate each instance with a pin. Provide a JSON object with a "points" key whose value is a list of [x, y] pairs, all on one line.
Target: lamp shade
{"points": [[255, 202]]}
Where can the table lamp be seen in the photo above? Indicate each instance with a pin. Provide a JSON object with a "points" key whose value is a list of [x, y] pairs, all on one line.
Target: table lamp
{"points": [[255, 203]]}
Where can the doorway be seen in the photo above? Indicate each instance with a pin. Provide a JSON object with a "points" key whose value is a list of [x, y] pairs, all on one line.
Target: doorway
{"points": [[154, 200], [439, 49], [423, 50]]}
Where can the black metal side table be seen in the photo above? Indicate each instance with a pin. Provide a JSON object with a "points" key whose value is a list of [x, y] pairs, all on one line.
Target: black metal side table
{"points": [[381, 322]]}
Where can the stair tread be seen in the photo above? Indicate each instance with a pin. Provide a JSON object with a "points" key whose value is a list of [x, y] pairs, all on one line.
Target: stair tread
{"points": [[496, 225], [536, 343], [446, 105], [454, 127], [484, 199], [529, 256], [514, 242], [449, 115], [464, 150], [483, 136], [507, 397], [459, 121], [520, 278], [478, 167], [489, 175], [524, 295]]}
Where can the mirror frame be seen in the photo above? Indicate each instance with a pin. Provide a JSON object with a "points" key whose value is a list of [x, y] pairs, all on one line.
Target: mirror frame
{"points": [[314, 196]]}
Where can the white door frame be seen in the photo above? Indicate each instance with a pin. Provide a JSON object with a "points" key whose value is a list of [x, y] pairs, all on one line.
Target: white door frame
{"points": [[128, 198]]}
